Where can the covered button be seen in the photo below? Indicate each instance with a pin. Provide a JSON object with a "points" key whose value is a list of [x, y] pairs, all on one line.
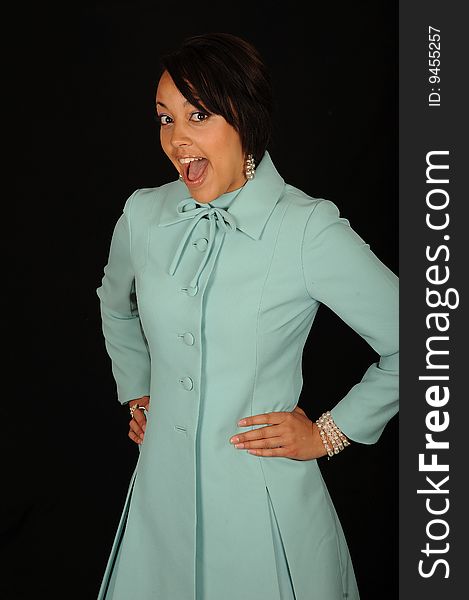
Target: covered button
{"points": [[188, 338], [187, 383], [201, 244]]}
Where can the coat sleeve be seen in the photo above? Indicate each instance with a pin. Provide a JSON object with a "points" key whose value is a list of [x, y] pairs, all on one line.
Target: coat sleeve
{"points": [[343, 273], [124, 338]]}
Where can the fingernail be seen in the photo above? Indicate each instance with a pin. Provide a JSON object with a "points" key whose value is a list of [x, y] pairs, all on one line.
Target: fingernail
{"points": [[242, 422], [240, 445], [234, 440]]}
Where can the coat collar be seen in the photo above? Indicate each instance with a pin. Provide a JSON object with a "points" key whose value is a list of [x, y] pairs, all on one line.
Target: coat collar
{"points": [[251, 208]]}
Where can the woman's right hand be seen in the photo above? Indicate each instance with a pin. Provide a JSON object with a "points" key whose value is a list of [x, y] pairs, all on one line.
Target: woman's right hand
{"points": [[138, 422]]}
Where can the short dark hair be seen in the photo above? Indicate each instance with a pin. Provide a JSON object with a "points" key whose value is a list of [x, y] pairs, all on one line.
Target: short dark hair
{"points": [[225, 75]]}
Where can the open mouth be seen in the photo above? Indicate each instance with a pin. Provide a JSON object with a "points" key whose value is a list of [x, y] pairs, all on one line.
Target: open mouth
{"points": [[194, 169]]}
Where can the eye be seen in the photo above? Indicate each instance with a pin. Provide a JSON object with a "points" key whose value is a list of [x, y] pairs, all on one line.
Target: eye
{"points": [[163, 119], [199, 116]]}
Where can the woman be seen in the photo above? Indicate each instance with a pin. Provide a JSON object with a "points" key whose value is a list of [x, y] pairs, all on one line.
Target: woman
{"points": [[211, 288]]}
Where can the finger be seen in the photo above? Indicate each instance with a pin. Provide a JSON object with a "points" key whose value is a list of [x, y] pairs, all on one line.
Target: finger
{"points": [[145, 401], [135, 438], [268, 451], [260, 433], [273, 442], [262, 419], [140, 417], [135, 427]]}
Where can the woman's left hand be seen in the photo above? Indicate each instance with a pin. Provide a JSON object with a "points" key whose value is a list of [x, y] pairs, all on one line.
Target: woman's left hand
{"points": [[289, 434]]}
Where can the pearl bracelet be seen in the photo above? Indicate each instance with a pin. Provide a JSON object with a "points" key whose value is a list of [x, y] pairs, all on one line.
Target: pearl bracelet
{"points": [[331, 435]]}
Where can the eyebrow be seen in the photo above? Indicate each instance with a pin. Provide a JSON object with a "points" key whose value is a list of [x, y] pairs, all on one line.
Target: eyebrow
{"points": [[164, 105]]}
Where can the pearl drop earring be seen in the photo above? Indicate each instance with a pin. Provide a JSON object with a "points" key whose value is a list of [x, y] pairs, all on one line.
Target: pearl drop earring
{"points": [[250, 166]]}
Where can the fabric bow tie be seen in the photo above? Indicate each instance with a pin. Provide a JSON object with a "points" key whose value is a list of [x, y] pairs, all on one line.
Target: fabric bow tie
{"points": [[188, 209]]}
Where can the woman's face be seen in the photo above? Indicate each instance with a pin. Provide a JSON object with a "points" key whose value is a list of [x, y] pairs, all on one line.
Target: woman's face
{"points": [[188, 133]]}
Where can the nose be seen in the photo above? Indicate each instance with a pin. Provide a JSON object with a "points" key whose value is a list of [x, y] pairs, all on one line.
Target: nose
{"points": [[180, 134]]}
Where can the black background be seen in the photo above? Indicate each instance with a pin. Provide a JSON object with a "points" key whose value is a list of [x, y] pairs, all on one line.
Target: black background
{"points": [[84, 84]]}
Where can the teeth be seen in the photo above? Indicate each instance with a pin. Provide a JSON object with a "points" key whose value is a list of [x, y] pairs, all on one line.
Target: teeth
{"points": [[189, 159]]}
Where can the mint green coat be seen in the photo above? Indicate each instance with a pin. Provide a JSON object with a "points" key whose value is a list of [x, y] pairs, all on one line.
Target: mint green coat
{"points": [[209, 317]]}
